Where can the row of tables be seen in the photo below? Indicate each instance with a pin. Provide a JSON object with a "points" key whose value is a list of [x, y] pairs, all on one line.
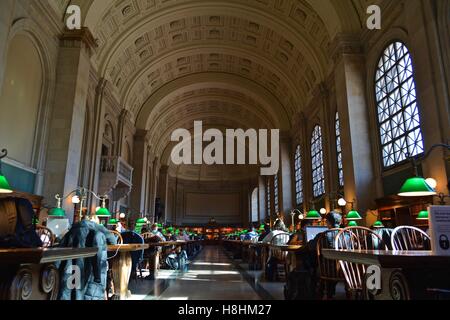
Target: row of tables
{"points": [[31, 274], [405, 275]]}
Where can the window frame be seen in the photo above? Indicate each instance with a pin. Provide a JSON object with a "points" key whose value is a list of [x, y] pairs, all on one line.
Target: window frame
{"points": [[298, 176], [319, 166], [339, 163], [402, 110]]}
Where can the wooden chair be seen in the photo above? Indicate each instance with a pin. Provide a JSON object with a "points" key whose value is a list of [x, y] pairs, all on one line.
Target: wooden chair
{"points": [[385, 234], [118, 236], [46, 235], [330, 271], [279, 256], [356, 238], [410, 238]]}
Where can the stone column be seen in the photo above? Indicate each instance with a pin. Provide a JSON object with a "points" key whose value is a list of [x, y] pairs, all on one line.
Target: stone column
{"points": [[6, 18], [140, 160], [356, 143], [285, 177], [68, 116], [163, 189], [93, 164]]}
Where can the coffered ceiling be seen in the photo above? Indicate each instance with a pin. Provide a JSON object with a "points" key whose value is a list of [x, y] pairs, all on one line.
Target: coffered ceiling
{"points": [[242, 63]]}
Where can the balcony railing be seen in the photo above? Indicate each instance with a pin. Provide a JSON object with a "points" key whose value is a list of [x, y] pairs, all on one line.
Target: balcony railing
{"points": [[116, 177], [118, 166]]}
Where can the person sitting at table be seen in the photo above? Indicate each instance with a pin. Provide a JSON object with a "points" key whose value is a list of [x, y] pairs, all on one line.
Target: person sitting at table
{"points": [[183, 235], [249, 236], [155, 231], [278, 228], [309, 259], [298, 238], [265, 232]]}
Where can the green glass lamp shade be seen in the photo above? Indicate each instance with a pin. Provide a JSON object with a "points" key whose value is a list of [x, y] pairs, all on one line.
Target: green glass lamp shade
{"points": [[57, 213], [313, 215], [103, 212], [352, 224], [4, 185], [113, 222], [423, 215], [353, 215], [140, 221], [378, 224], [416, 187]]}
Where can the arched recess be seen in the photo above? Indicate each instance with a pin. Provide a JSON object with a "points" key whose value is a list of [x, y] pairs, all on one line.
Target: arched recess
{"points": [[28, 171], [20, 107]]}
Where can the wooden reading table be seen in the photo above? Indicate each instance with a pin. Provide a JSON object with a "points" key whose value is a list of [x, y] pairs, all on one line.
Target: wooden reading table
{"points": [[405, 275], [31, 274], [121, 264]]}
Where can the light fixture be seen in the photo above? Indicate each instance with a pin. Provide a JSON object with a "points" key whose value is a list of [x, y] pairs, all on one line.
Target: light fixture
{"points": [[353, 215], [417, 186], [342, 202], [352, 224], [113, 222], [4, 184], [423, 215], [58, 212], [378, 224], [76, 199], [431, 182], [313, 214], [103, 211], [140, 221], [323, 211]]}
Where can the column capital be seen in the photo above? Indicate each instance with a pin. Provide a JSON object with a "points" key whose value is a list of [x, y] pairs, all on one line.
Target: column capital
{"points": [[344, 44], [81, 38]]}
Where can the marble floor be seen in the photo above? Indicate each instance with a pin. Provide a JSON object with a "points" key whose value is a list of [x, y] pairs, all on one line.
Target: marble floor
{"points": [[212, 275]]}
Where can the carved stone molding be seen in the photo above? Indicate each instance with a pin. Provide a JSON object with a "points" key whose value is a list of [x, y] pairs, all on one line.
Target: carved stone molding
{"points": [[79, 39], [345, 44]]}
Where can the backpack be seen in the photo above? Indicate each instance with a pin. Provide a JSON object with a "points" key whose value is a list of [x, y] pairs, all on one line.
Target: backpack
{"points": [[16, 224]]}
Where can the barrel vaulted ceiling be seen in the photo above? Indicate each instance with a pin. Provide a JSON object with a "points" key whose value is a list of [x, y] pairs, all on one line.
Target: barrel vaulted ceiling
{"points": [[251, 63]]}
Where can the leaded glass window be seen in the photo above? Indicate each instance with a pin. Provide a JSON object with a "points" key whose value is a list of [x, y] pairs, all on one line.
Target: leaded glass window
{"points": [[298, 176], [318, 170], [269, 208], [275, 196], [398, 111], [339, 151]]}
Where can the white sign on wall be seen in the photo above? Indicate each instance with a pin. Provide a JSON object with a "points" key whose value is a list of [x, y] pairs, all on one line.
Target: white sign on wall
{"points": [[440, 229]]}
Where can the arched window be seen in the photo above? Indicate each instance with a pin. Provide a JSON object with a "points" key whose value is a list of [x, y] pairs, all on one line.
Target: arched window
{"points": [[318, 170], [339, 151], [268, 198], [255, 214], [398, 112], [275, 194], [298, 176]]}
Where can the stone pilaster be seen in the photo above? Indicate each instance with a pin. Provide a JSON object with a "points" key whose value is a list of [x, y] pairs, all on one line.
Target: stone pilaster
{"points": [[140, 160], [68, 115], [285, 176], [163, 189], [351, 104]]}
